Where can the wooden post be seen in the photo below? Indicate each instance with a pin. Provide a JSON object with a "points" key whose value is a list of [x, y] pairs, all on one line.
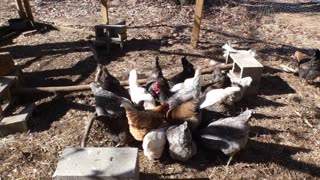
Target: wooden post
{"points": [[104, 12], [196, 24], [28, 10], [19, 5]]}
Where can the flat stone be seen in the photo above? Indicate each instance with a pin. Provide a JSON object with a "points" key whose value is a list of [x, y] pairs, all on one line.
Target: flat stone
{"points": [[98, 163]]}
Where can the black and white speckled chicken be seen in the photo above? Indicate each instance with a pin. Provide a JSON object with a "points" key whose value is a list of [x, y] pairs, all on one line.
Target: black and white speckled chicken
{"points": [[181, 145], [229, 135], [106, 101], [111, 114]]}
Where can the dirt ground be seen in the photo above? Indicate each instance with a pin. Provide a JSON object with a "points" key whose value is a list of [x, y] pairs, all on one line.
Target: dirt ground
{"points": [[282, 144]]}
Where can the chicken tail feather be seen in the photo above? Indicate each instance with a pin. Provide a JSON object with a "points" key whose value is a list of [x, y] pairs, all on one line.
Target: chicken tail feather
{"points": [[128, 106], [133, 78]]}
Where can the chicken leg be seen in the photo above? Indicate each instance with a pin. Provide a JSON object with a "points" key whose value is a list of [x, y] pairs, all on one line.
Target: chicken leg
{"points": [[230, 158]]}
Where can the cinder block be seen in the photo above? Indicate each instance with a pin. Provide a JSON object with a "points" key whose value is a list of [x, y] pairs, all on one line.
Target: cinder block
{"points": [[245, 65], [16, 123], [6, 84], [98, 163], [113, 33]]}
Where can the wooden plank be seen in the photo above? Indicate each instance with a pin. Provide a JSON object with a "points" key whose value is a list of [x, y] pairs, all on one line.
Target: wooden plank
{"points": [[196, 23], [21, 11], [104, 12], [28, 10]]}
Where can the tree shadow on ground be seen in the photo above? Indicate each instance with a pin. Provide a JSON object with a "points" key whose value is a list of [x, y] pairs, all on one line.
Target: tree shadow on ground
{"points": [[46, 49], [253, 102], [262, 152], [256, 131], [53, 110], [83, 69]]}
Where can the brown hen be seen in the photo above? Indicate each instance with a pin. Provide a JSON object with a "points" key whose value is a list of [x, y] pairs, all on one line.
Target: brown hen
{"points": [[142, 122], [188, 111]]}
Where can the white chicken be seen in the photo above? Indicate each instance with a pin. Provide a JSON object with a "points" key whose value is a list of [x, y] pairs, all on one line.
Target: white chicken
{"points": [[186, 93], [243, 84], [153, 143], [236, 92], [187, 83], [217, 95], [229, 49], [138, 93]]}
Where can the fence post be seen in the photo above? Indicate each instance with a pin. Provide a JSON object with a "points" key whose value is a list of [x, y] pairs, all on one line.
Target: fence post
{"points": [[28, 10], [19, 5], [196, 23], [104, 12]]}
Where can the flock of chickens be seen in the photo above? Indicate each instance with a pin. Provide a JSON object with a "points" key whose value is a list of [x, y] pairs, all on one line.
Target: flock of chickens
{"points": [[182, 111], [176, 111]]}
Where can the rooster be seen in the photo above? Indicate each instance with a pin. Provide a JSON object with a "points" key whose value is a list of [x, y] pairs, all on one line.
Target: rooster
{"points": [[161, 86], [309, 67], [110, 83], [139, 93], [142, 122], [229, 135], [187, 72], [188, 111]]}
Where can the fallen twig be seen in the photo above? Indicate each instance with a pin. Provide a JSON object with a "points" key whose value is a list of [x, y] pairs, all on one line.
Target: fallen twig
{"points": [[87, 131], [304, 119], [308, 123], [287, 69]]}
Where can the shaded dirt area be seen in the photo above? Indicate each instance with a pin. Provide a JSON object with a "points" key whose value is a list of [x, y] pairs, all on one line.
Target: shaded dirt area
{"points": [[281, 144]]}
